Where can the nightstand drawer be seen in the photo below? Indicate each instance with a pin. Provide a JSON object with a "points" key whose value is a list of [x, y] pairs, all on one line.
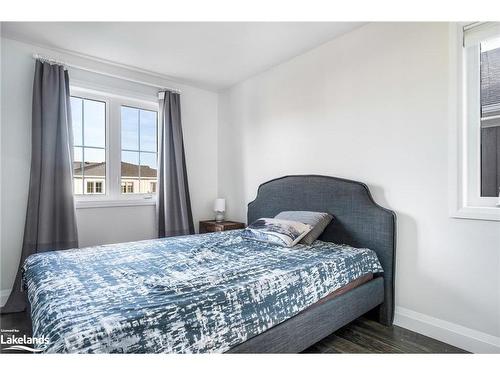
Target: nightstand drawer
{"points": [[214, 226]]}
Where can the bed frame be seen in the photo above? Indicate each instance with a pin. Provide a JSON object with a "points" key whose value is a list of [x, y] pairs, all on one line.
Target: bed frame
{"points": [[359, 222]]}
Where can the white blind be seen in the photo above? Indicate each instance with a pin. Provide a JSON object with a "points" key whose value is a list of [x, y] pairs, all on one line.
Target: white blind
{"points": [[477, 32]]}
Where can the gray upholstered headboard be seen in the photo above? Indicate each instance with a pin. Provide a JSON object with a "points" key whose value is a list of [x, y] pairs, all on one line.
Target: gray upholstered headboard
{"points": [[358, 220]]}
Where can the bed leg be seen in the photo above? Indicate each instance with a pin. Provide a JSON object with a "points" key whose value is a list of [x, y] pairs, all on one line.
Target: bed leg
{"points": [[381, 314]]}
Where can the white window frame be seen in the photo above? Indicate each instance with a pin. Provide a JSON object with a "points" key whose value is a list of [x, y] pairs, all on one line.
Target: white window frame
{"points": [[465, 127], [113, 196]]}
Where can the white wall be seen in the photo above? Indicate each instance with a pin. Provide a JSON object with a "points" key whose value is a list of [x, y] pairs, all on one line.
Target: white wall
{"points": [[95, 225], [372, 106]]}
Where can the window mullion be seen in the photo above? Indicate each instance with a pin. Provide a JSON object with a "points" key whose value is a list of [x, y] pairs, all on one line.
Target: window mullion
{"points": [[139, 146], [114, 149], [83, 148]]}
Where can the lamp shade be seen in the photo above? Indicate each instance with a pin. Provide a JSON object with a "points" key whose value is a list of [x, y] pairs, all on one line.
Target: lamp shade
{"points": [[220, 205]]}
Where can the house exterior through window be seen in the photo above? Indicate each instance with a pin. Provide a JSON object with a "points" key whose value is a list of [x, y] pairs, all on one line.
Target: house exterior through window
{"points": [[490, 118], [114, 146]]}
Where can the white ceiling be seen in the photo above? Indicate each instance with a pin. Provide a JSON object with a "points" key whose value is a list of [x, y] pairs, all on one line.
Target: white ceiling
{"points": [[213, 55]]}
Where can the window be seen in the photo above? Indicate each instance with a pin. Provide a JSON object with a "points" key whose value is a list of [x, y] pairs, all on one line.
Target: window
{"points": [[89, 141], [114, 147], [93, 187], [127, 187], [90, 187], [490, 117], [98, 187], [477, 143], [139, 148]]}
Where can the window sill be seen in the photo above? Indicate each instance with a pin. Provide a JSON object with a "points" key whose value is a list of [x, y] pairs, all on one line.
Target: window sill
{"points": [[114, 203], [477, 213]]}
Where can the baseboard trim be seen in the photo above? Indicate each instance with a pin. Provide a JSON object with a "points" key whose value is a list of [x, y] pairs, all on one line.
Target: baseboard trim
{"points": [[4, 294], [450, 333]]}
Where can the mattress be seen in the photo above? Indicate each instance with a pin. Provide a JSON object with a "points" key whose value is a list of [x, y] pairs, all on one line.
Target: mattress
{"points": [[344, 289], [189, 294]]}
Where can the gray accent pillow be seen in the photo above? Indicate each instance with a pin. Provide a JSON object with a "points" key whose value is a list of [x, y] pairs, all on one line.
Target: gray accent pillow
{"points": [[318, 220], [277, 231]]}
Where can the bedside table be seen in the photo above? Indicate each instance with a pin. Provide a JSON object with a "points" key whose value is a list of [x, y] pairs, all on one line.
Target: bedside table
{"points": [[214, 226]]}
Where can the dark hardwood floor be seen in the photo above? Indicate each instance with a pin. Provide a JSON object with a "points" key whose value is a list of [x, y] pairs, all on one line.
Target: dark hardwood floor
{"points": [[361, 336], [367, 336]]}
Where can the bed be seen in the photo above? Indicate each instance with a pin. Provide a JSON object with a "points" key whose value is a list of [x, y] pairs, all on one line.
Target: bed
{"points": [[220, 292]]}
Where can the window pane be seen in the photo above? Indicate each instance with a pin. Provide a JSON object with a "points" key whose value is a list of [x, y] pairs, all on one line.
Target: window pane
{"points": [[94, 161], [94, 123], [148, 160], [90, 187], [89, 129], [130, 172], [148, 171], [490, 118], [77, 170], [130, 128], [148, 130], [76, 120]]}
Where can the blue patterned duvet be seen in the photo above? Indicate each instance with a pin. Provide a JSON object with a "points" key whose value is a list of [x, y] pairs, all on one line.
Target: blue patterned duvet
{"points": [[191, 294]]}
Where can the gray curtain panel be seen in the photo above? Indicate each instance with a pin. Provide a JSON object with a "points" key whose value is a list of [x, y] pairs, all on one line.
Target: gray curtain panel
{"points": [[174, 215], [50, 216]]}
